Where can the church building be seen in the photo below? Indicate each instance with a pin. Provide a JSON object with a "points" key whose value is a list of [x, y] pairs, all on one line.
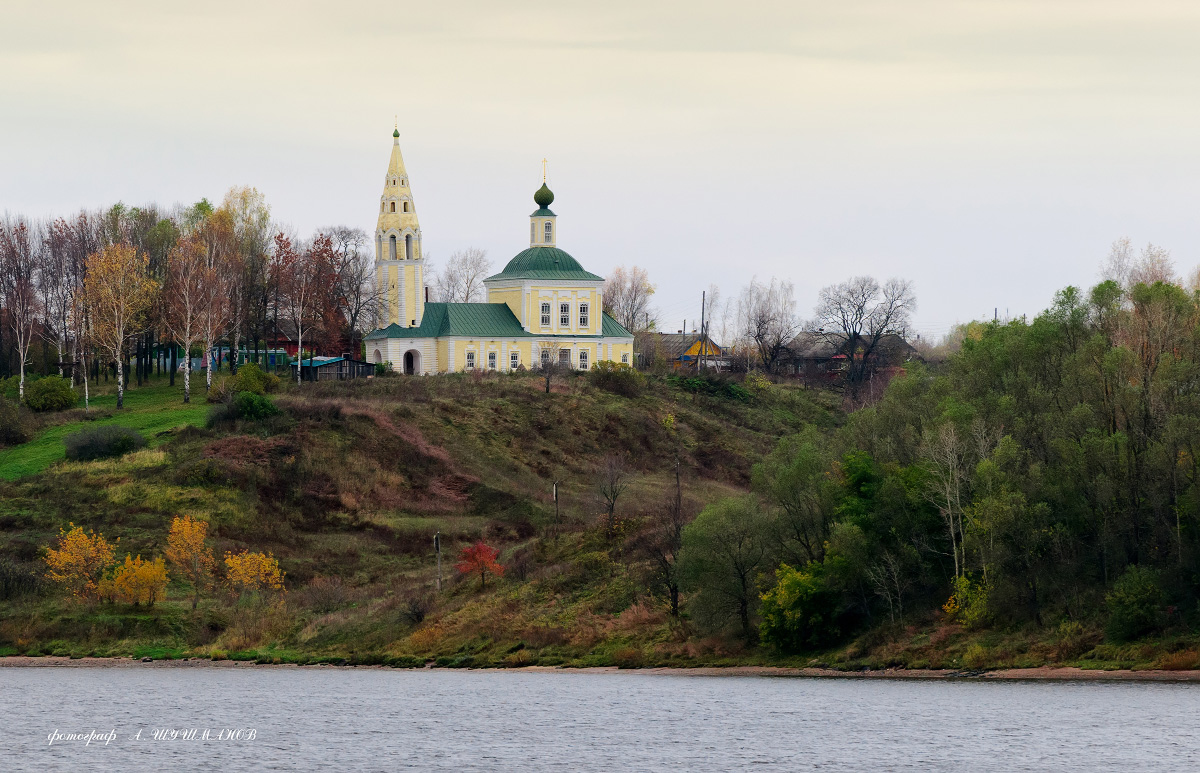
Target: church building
{"points": [[542, 308]]}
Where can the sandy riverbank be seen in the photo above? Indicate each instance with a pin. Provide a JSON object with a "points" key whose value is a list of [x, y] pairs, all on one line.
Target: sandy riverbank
{"points": [[1008, 674]]}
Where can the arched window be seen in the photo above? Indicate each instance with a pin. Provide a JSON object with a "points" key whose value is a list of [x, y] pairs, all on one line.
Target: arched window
{"points": [[393, 206], [583, 359], [378, 247], [545, 316], [470, 360], [408, 247], [406, 206], [545, 358], [514, 360], [564, 315], [491, 360], [392, 246], [382, 207], [549, 232], [532, 233], [625, 358], [564, 356], [583, 315]]}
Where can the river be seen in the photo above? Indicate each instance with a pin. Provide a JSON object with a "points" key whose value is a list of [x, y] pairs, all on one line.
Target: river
{"points": [[247, 719]]}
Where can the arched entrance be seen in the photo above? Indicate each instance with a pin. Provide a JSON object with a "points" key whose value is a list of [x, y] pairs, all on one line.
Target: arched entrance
{"points": [[412, 362], [378, 357]]}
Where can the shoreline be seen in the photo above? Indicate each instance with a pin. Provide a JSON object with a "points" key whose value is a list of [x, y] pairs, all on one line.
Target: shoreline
{"points": [[1046, 673]]}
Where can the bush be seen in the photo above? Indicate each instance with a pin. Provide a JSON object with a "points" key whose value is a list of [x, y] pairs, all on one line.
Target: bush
{"points": [[253, 407], [13, 429], [713, 385], [616, 377], [19, 579], [384, 369], [102, 442], [221, 391], [52, 393], [800, 613], [252, 378], [1135, 605]]}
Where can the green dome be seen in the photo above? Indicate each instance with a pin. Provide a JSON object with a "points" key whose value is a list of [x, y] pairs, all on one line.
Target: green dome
{"points": [[396, 133], [544, 197], [544, 263]]}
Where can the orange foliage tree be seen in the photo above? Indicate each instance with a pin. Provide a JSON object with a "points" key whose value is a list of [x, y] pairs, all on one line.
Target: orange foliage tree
{"points": [[136, 581], [79, 561], [190, 554], [248, 572], [481, 558]]}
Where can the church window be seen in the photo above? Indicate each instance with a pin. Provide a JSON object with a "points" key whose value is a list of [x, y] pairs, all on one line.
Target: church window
{"points": [[583, 315], [549, 232], [392, 246], [393, 206], [545, 358], [382, 207], [514, 360], [545, 315], [408, 247], [470, 360], [564, 356], [532, 233], [491, 360], [406, 206], [564, 315], [583, 358], [625, 358]]}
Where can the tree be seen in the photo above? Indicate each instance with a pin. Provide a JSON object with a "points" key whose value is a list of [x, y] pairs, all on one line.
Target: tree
{"points": [[626, 298], [768, 319], [549, 353], [119, 296], [57, 285], [190, 554], [79, 561], [186, 290], [358, 293], [662, 543], [249, 573], [481, 558], [297, 289], [19, 250], [724, 551], [858, 314], [249, 221], [461, 280], [136, 581], [796, 478], [614, 480]]}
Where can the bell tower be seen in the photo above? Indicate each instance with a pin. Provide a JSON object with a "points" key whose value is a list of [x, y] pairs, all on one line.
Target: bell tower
{"points": [[399, 267]]}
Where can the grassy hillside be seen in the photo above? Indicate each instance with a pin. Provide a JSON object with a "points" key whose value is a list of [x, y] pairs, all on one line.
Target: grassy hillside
{"points": [[348, 487]]}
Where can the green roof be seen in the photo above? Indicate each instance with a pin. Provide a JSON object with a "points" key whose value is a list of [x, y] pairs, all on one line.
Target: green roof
{"points": [[479, 320], [611, 328], [543, 212], [544, 263]]}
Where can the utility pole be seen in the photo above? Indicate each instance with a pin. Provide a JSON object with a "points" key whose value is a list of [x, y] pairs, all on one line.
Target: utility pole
{"points": [[437, 548]]}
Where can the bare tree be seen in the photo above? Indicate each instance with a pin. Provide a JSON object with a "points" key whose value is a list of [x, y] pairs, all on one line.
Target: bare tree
{"points": [[768, 319], [19, 253], [891, 581], [461, 279], [859, 314], [357, 293], [548, 353], [57, 287], [945, 456], [185, 292], [298, 290], [614, 480], [662, 542], [626, 298]]}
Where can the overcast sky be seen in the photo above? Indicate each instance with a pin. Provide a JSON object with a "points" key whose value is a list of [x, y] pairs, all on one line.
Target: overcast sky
{"points": [[988, 151]]}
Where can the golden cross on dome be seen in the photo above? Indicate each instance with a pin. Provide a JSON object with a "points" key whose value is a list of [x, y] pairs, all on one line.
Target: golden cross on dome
{"points": [[543, 170]]}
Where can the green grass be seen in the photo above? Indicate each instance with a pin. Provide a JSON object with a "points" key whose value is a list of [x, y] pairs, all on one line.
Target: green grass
{"points": [[150, 410]]}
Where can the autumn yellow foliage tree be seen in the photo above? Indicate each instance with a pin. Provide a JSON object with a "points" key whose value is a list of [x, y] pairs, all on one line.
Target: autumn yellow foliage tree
{"points": [[136, 581], [248, 573], [190, 554], [119, 294], [79, 562]]}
